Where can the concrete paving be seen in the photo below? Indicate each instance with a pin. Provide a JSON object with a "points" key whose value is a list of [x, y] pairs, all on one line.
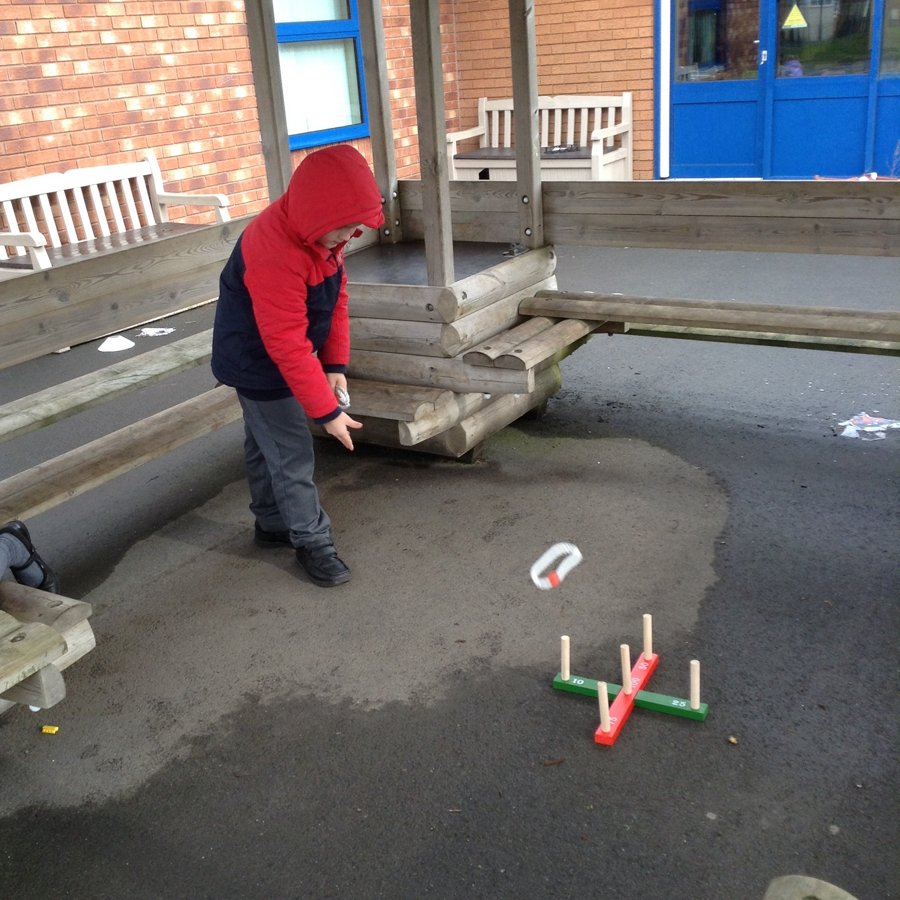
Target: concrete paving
{"points": [[240, 733]]}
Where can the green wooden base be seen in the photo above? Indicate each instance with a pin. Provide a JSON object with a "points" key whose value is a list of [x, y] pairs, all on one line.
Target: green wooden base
{"points": [[673, 706]]}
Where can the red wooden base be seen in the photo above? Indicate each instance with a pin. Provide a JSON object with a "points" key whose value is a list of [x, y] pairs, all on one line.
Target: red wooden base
{"points": [[624, 703]]}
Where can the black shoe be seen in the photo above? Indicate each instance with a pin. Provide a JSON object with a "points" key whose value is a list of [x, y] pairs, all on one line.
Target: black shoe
{"points": [[270, 538], [323, 566], [50, 582]]}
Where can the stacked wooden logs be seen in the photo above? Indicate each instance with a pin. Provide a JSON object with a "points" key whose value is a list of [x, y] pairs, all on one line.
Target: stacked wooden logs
{"points": [[440, 369]]}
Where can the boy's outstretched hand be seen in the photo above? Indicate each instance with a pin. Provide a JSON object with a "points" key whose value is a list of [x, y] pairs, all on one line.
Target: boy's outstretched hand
{"points": [[340, 428]]}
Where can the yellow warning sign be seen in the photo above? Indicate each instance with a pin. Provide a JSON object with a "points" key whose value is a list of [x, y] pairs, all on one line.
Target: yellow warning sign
{"points": [[795, 19]]}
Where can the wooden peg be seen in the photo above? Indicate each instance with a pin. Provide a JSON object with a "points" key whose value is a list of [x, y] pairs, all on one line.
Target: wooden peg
{"points": [[564, 669], [625, 650], [695, 684], [603, 697]]}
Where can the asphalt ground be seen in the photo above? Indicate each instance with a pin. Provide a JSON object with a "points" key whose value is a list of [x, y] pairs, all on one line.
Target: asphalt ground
{"points": [[240, 733]]}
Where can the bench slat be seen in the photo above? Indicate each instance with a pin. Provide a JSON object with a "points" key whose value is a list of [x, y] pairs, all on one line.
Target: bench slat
{"points": [[99, 209], [134, 219], [10, 225], [49, 220], [66, 215], [84, 219], [115, 209], [49, 483], [147, 208], [28, 214]]}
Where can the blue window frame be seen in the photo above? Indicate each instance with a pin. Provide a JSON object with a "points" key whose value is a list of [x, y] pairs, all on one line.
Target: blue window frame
{"points": [[322, 76]]}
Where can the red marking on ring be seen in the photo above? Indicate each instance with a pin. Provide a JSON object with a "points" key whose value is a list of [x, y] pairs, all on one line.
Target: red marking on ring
{"points": [[553, 578]]}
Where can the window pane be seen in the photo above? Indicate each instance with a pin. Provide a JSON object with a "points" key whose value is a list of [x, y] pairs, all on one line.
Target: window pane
{"points": [[310, 10], [321, 89], [823, 37], [890, 46], [717, 39]]}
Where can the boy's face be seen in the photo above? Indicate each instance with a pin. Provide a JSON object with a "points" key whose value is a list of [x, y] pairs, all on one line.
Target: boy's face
{"points": [[338, 236]]}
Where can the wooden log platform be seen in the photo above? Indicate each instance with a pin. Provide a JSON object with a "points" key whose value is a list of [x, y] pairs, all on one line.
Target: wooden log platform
{"points": [[477, 417], [428, 371], [461, 407], [399, 402], [530, 343], [424, 303], [862, 331], [436, 339]]}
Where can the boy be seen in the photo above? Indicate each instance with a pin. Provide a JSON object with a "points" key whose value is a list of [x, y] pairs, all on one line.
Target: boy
{"points": [[281, 338]]}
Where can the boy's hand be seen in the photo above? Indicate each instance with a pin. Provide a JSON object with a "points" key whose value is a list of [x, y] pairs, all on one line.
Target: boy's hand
{"points": [[336, 380], [340, 428]]}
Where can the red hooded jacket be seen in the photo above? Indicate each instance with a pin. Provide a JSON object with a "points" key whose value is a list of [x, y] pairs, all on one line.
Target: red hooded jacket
{"points": [[282, 318]]}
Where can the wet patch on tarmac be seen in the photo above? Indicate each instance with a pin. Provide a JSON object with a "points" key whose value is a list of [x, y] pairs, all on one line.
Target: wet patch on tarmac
{"points": [[196, 617]]}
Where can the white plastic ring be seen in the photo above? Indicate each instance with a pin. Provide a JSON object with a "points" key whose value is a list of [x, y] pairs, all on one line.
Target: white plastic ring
{"points": [[570, 555]]}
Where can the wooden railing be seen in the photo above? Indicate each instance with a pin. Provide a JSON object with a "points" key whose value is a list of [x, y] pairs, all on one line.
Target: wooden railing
{"points": [[860, 218]]}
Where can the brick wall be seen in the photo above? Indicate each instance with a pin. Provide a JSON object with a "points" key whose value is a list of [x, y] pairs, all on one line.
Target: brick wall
{"points": [[98, 83]]}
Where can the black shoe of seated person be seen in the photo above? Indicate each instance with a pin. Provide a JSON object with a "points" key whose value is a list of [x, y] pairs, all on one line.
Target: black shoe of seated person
{"points": [[323, 566], [49, 581], [265, 538]]}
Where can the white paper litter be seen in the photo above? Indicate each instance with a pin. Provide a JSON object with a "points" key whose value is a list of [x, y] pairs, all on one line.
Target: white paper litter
{"points": [[154, 332], [115, 343], [868, 428]]}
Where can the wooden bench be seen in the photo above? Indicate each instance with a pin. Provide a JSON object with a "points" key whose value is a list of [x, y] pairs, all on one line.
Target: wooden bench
{"points": [[41, 634], [60, 216], [582, 139]]}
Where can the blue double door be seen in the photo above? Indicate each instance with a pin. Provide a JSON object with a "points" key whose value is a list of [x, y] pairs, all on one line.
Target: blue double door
{"points": [[781, 89]]}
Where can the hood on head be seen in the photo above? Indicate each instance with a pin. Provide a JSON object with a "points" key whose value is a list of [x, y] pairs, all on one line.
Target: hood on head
{"points": [[330, 188]]}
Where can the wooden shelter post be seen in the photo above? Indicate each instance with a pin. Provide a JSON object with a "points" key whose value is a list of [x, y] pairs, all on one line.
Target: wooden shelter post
{"points": [[269, 95], [426, 45], [381, 133], [525, 102]]}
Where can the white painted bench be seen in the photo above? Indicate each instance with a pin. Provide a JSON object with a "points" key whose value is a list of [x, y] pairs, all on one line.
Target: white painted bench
{"points": [[583, 138], [61, 216]]}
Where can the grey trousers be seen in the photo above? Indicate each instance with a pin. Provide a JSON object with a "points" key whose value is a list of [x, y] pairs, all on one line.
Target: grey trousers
{"points": [[280, 460]]}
